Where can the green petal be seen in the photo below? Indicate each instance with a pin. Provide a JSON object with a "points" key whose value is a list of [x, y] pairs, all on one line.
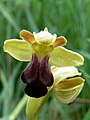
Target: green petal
{"points": [[62, 57], [19, 49], [67, 90], [63, 73], [34, 105]]}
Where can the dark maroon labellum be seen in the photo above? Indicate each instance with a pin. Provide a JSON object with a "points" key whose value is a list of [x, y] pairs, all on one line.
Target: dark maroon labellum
{"points": [[37, 76]]}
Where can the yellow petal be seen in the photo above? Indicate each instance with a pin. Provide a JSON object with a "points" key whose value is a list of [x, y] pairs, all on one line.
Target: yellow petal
{"points": [[62, 57], [60, 41], [34, 105], [67, 90], [27, 36], [19, 49], [63, 73]]}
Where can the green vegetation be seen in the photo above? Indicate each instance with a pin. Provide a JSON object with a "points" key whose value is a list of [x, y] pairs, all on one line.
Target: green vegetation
{"points": [[70, 18]]}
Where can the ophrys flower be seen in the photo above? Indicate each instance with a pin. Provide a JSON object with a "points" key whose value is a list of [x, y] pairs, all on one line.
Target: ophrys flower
{"points": [[44, 50]]}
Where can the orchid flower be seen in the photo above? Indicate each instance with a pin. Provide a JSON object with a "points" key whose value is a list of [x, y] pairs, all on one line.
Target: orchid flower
{"points": [[51, 68]]}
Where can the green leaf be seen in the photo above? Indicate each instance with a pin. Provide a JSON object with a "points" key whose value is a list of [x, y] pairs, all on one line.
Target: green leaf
{"points": [[19, 49], [87, 115], [62, 57], [34, 105]]}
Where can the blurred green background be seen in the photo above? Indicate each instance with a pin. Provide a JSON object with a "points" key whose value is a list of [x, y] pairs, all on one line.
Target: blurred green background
{"points": [[70, 18]]}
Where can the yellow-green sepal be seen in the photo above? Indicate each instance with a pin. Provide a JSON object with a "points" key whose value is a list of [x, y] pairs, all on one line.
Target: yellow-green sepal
{"points": [[62, 57], [34, 105], [19, 49], [67, 90]]}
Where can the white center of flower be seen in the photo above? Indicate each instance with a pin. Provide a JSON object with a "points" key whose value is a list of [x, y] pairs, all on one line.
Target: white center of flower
{"points": [[44, 37]]}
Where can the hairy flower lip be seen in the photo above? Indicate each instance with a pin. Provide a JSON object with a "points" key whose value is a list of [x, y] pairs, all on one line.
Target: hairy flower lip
{"points": [[36, 89], [37, 76]]}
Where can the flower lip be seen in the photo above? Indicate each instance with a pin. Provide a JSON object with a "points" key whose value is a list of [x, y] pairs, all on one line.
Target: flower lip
{"points": [[36, 89], [37, 76]]}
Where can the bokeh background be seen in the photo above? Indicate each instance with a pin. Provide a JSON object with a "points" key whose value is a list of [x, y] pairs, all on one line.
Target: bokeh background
{"points": [[70, 18]]}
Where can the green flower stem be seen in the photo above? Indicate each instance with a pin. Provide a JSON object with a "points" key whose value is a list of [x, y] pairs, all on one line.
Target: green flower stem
{"points": [[18, 108]]}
